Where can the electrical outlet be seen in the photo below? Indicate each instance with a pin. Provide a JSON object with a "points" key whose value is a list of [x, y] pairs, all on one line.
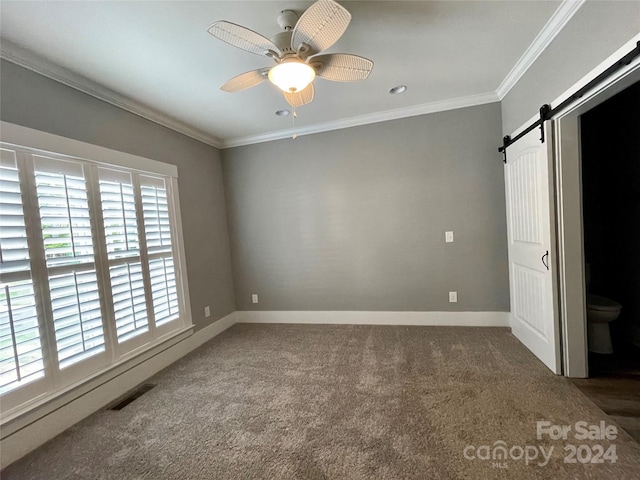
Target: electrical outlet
{"points": [[207, 311], [453, 297], [254, 298], [448, 237]]}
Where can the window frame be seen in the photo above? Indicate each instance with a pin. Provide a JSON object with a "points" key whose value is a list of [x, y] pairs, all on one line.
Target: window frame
{"points": [[29, 143]]}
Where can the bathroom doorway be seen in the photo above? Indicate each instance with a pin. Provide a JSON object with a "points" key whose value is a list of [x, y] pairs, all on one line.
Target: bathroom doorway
{"points": [[610, 141], [610, 181]]}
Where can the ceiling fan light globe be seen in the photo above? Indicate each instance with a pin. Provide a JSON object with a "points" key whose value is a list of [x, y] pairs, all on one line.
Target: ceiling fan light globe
{"points": [[292, 76]]}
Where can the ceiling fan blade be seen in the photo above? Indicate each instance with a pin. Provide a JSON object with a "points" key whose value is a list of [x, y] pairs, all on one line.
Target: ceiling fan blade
{"points": [[341, 67], [245, 80], [300, 98], [243, 38], [320, 26]]}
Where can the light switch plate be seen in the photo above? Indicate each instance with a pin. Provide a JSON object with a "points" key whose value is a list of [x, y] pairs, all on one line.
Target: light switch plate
{"points": [[207, 311], [254, 298], [453, 297], [448, 237]]}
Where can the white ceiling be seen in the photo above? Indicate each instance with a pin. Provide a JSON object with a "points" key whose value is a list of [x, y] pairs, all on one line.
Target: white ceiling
{"points": [[158, 55]]}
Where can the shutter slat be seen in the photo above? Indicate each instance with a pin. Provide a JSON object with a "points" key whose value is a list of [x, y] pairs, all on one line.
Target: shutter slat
{"points": [[9, 217], [75, 355]]}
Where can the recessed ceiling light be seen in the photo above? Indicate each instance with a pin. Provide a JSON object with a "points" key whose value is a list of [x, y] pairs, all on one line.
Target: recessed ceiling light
{"points": [[282, 113], [398, 89]]}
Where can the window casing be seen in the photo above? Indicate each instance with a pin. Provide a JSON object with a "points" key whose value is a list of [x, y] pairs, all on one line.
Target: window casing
{"points": [[91, 269]]}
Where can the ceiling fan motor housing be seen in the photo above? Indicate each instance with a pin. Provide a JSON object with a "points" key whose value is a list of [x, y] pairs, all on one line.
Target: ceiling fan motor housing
{"points": [[283, 42]]}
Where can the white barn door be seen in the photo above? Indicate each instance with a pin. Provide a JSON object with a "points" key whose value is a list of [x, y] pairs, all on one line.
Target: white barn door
{"points": [[528, 181]]}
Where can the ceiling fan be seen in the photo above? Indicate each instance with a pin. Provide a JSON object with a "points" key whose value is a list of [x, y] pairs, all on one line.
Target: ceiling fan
{"points": [[295, 51]]}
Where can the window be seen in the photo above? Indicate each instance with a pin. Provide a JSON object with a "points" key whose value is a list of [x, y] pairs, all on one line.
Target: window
{"points": [[89, 268]]}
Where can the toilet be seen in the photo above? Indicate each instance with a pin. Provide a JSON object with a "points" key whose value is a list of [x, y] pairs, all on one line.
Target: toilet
{"points": [[600, 312]]}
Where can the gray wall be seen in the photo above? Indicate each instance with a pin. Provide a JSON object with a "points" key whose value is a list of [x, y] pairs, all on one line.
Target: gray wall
{"points": [[354, 219], [596, 31], [34, 101]]}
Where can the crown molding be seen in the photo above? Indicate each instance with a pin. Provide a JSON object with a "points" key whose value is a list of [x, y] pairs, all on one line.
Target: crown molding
{"points": [[31, 61], [553, 27], [412, 111]]}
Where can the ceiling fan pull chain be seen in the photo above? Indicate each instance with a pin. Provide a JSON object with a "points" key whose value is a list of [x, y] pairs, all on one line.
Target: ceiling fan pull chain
{"points": [[293, 119]]}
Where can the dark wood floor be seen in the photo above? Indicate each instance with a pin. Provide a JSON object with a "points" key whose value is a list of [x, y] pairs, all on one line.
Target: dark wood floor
{"points": [[614, 385]]}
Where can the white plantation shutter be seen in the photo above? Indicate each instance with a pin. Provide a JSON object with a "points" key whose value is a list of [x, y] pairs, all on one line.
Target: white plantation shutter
{"points": [[64, 212], [21, 357], [117, 197], [68, 248], [157, 229], [156, 214], [88, 270], [76, 316], [14, 251], [129, 300], [163, 289], [119, 213]]}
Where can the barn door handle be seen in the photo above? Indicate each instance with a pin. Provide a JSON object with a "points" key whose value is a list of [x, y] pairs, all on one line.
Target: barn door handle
{"points": [[546, 264]]}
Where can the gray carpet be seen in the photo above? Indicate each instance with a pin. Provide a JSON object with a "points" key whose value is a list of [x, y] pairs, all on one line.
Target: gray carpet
{"points": [[339, 402]]}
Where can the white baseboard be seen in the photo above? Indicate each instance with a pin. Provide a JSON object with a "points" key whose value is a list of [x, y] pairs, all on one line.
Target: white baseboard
{"points": [[460, 319], [36, 428], [207, 333]]}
